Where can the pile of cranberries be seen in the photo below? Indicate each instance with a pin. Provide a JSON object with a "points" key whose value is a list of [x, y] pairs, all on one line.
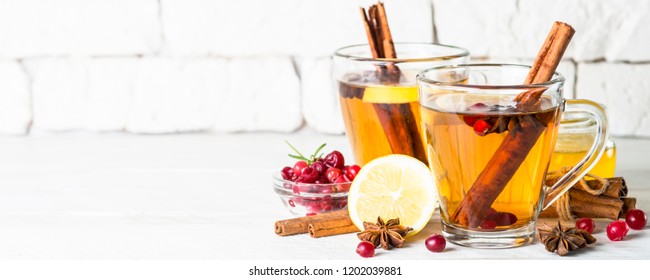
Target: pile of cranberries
{"points": [[330, 169], [617, 230], [320, 177]]}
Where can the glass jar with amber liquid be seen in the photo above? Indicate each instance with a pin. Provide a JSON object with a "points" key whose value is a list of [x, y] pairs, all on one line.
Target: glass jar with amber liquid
{"points": [[575, 137]]}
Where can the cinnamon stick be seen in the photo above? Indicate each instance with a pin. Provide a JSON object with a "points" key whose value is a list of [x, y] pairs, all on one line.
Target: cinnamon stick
{"points": [[617, 187], [515, 146], [586, 205], [629, 203], [301, 224], [397, 120], [331, 227]]}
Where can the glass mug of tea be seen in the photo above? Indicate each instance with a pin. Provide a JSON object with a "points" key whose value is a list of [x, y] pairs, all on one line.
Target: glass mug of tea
{"points": [[489, 144], [379, 96]]}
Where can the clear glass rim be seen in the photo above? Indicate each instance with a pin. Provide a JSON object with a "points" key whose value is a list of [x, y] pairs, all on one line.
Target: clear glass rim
{"points": [[460, 52], [277, 178], [421, 77]]}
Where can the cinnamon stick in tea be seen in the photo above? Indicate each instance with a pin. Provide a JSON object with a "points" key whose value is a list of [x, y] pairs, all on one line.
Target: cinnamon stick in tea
{"points": [[397, 120], [515, 146], [301, 224]]}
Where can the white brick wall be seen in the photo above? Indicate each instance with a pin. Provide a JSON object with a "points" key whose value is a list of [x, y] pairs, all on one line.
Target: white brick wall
{"points": [[15, 99], [78, 27], [165, 66], [624, 89]]}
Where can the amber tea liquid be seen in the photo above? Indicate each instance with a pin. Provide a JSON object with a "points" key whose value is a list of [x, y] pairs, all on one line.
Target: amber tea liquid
{"points": [[381, 119], [457, 154]]}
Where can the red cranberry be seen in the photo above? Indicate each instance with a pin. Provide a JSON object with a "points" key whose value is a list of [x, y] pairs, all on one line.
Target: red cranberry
{"points": [[342, 203], [435, 243], [291, 203], [325, 189], [481, 127], [335, 159], [287, 173], [332, 173], [488, 224], [344, 187], [298, 167], [366, 249], [636, 219], [319, 167], [309, 175], [326, 205], [470, 120], [586, 224], [617, 230], [314, 207], [343, 184], [502, 218], [351, 171]]}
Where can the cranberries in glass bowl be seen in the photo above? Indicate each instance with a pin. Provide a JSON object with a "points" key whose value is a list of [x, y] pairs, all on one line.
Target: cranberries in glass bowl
{"points": [[305, 199], [315, 184]]}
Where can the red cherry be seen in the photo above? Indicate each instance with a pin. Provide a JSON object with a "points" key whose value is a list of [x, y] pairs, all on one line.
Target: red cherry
{"points": [[287, 173], [332, 174], [636, 219], [481, 127], [298, 167], [351, 171], [617, 230], [335, 159], [488, 224], [502, 218], [319, 167], [435, 243], [366, 249], [586, 224], [309, 175]]}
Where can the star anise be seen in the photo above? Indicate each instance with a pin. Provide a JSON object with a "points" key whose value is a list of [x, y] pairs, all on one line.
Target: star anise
{"points": [[388, 235], [564, 239]]}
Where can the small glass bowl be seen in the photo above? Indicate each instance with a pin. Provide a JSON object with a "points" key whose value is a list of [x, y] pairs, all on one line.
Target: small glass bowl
{"points": [[304, 199]]}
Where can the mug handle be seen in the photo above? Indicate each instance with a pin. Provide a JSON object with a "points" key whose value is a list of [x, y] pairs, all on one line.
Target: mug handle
{"points": [[591, 158]]}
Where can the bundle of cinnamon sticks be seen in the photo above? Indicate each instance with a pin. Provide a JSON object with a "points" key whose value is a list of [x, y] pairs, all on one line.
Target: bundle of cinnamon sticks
{"points": [[612, 204], [325, 224]]}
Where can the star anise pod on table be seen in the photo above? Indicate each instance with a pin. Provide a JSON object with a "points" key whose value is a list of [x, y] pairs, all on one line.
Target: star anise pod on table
{"points": [[564, 239], [387, 235]]}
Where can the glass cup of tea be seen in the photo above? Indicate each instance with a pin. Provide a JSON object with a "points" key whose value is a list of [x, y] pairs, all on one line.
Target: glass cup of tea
{"points": [[489, 140], [379, 97]]}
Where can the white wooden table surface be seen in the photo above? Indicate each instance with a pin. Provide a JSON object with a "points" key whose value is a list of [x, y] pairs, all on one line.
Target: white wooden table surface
{"points": [[199, 196]]}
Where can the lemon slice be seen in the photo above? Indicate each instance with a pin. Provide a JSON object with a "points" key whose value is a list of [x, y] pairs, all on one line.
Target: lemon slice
{"points": [[390, 95], [393, 186]]}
